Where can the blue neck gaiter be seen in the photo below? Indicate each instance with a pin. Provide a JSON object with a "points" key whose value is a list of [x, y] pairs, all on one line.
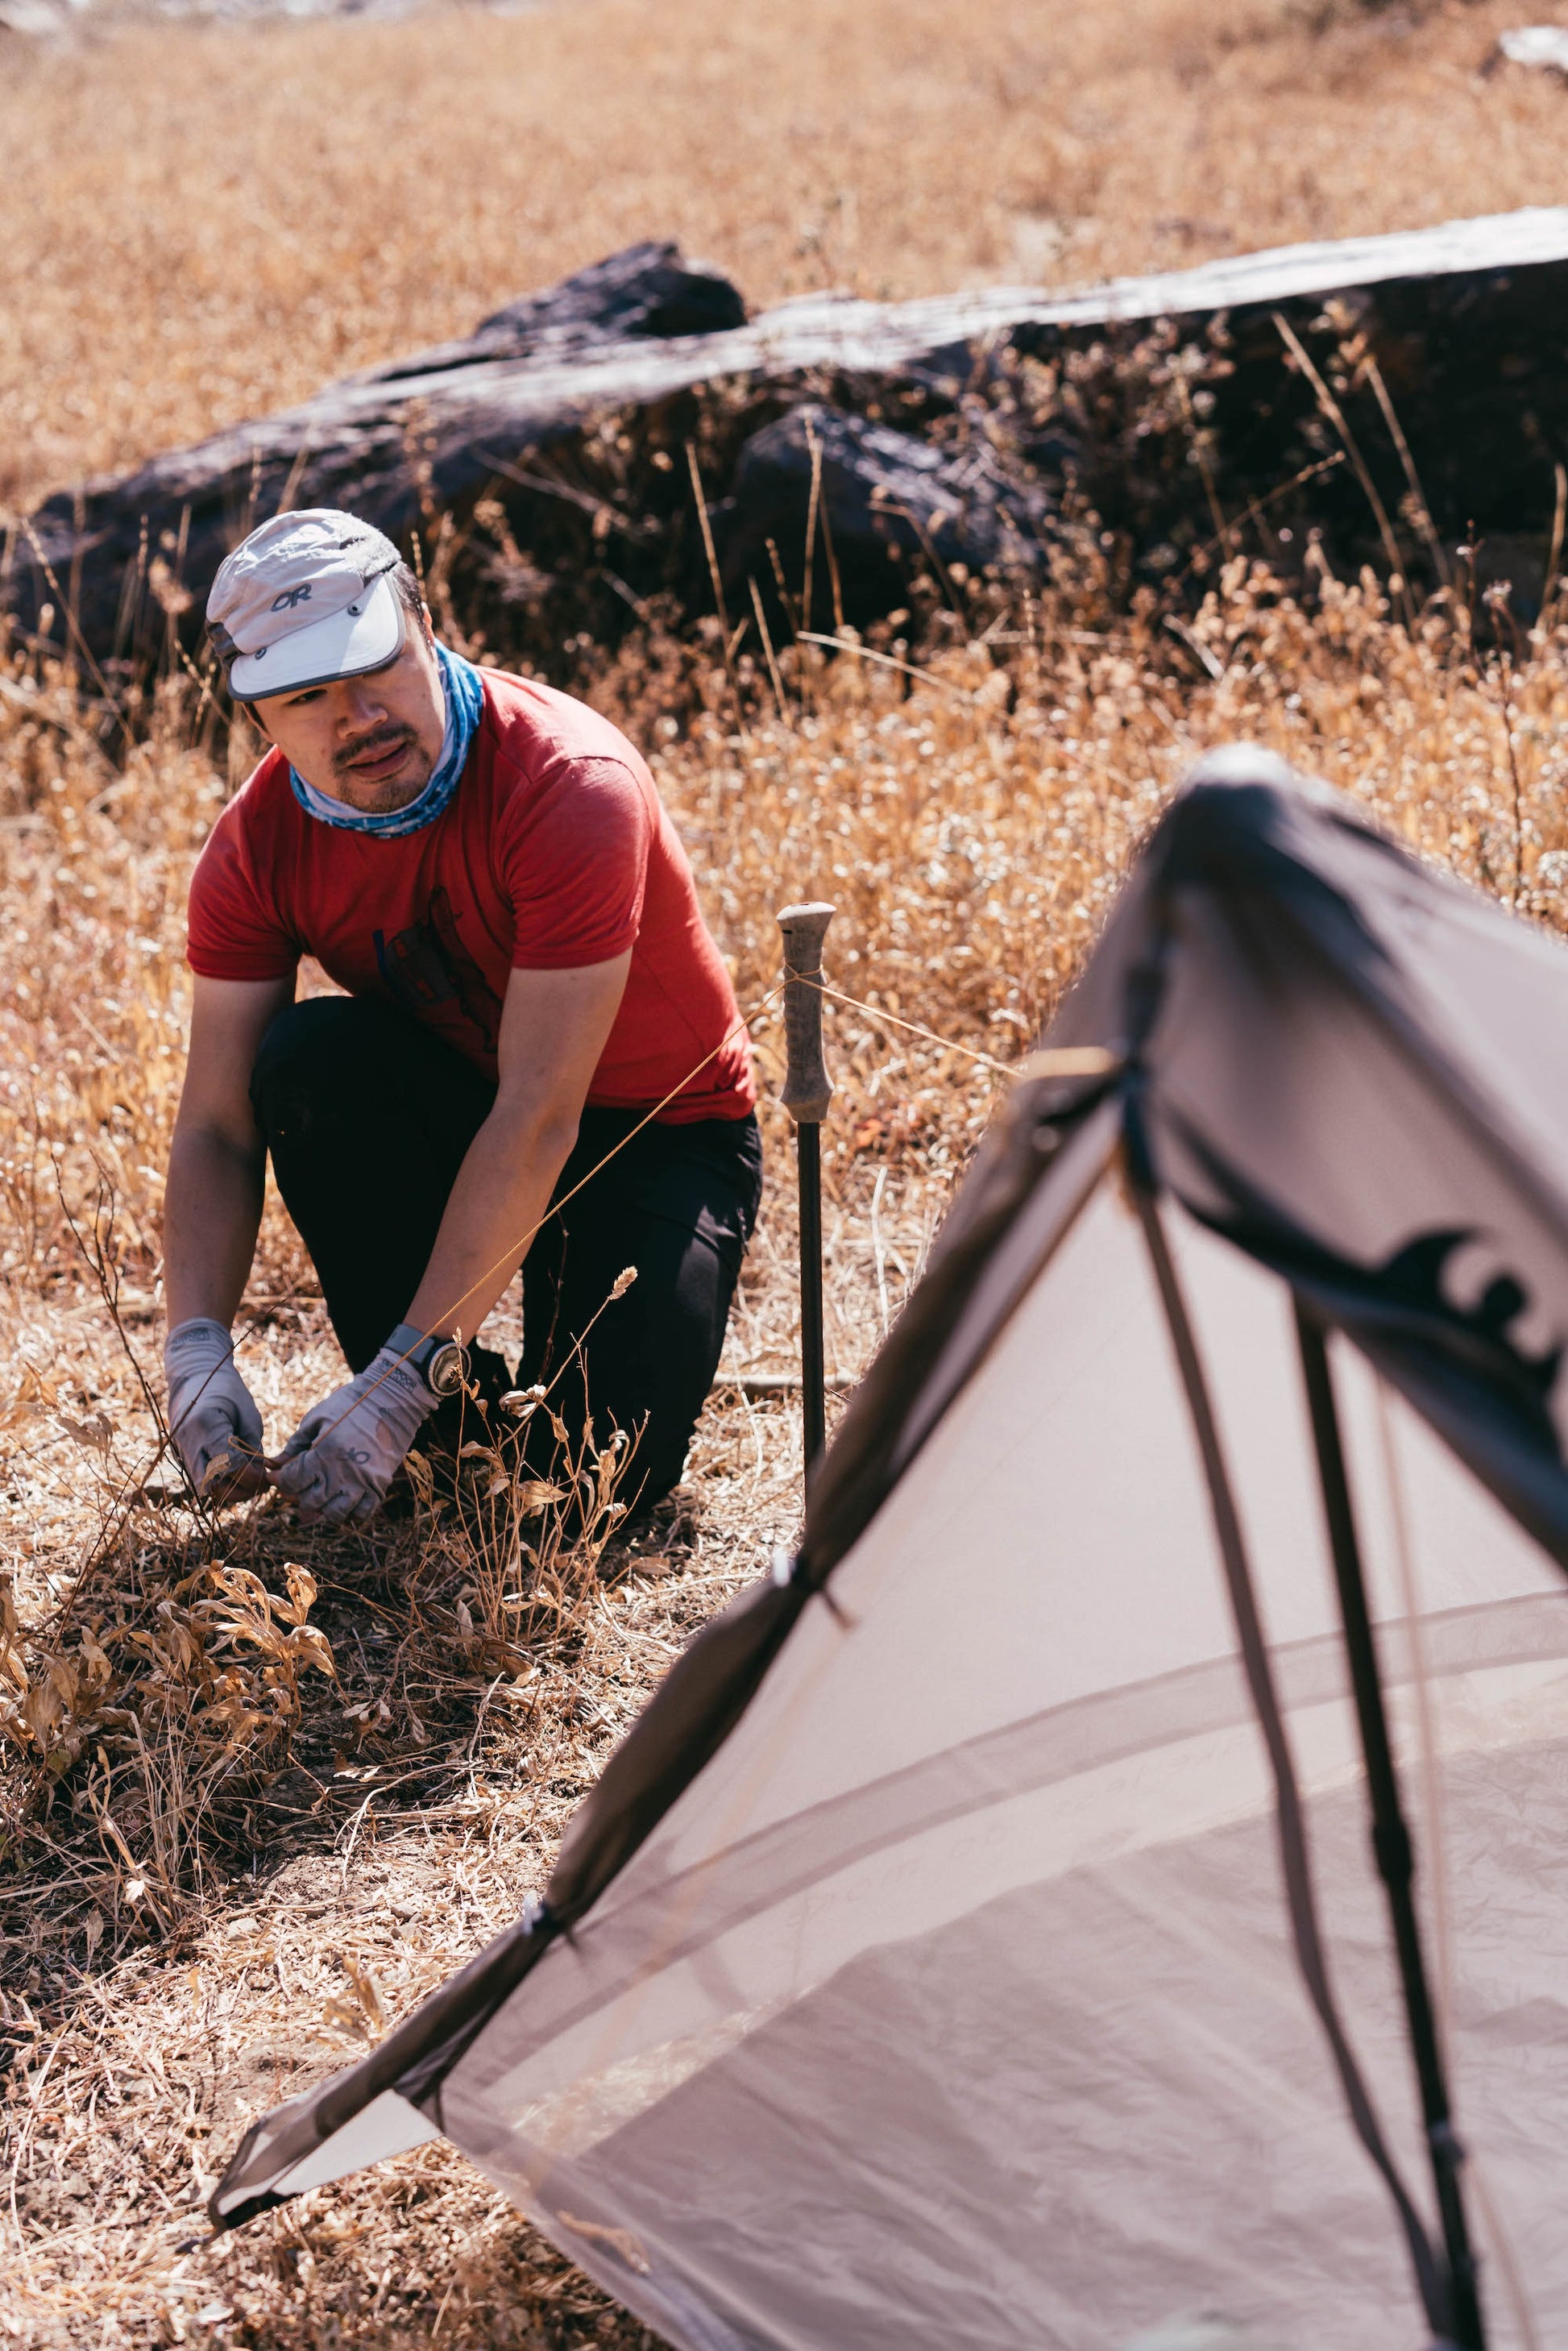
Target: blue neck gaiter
{"points": [[464, 693]]}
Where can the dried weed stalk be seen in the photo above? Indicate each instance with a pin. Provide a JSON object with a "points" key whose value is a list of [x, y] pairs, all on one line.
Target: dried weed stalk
{"points": [[263, 1786]]}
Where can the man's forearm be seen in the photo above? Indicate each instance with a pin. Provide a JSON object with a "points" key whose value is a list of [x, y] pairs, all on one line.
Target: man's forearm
{"points": [[212, 1212], [502, 1193]]}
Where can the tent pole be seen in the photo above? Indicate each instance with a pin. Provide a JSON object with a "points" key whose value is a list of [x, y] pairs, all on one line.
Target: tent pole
{"points": [[806, 1093], [1390, 1837]]}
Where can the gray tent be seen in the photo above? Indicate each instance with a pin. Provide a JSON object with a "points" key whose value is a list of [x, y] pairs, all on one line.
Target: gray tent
{"points": [[978, 1941]]}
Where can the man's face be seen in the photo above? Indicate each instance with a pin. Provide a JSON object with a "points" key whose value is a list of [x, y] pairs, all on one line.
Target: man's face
{"points": [[371, 741]]}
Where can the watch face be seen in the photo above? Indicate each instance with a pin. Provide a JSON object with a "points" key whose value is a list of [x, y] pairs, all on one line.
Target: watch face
{"points": [[443, 1372]]}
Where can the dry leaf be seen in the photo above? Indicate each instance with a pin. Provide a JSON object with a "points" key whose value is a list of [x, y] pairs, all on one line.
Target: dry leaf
{"points": [[345, 2018], [539, 1494], [97, 1434], [366, 1990], [301, 1592]]}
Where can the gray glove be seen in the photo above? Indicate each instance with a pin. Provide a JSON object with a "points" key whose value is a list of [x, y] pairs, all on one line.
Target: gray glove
{"points": [[340, 1460], [213, 1415]]}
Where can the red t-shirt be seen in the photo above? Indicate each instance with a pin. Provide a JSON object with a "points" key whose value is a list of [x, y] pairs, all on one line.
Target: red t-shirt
{"points": [[553, 852]]}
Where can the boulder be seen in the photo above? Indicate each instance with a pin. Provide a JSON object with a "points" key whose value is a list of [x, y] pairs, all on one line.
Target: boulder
{"points": [[547, 462], [646, 293], [894, 502]]}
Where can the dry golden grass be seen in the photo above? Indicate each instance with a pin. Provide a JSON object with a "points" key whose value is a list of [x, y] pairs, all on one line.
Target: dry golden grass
{"points": [[230, 1868], [198, 225], [226, 1865]]}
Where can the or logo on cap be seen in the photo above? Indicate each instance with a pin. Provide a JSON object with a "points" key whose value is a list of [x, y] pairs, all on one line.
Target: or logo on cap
{"points": [[290, 579]]}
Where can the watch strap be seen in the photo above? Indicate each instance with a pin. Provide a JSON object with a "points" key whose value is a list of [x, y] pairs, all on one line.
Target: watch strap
{"points": [[418, 1349]]}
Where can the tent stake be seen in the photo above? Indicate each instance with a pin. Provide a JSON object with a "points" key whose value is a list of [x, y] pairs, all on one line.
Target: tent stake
{"points": [[1390, 1837], [807, 1090]]}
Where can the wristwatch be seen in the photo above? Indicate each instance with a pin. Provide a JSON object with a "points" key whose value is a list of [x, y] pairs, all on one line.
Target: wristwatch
{"points": [[441, 1364]]}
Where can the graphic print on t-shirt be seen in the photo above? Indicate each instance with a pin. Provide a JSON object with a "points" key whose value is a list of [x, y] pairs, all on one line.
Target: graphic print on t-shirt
{"points": [[426, 969]]}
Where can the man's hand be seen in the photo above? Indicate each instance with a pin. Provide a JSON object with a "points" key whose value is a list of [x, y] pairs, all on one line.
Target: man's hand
{"points": [[340, 1460], [213, 1415]]}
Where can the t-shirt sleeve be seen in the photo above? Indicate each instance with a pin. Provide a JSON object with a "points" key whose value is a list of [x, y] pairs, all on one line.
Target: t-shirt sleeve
{"points": [[231, 934], [575, 862]]}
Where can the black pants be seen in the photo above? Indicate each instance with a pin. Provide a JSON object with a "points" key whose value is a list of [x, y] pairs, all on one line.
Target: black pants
{"points": [[368, 1117]]}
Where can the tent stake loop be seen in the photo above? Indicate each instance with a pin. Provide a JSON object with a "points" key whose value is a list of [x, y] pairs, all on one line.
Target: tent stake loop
{"points": [[1390, 1836]]}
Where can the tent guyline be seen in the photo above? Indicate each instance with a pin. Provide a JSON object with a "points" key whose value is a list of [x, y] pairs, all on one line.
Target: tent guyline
{"points": [[515, 1254], [517, 1251], [813, 1387], [520, 1249], [1069, 1061], [978, 1940]]}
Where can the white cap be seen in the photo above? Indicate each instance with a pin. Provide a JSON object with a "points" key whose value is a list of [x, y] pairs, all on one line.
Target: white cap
{"points": [[308, 598]]}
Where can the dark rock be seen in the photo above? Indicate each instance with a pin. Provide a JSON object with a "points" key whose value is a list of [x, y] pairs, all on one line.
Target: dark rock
{"points": [[544, 462], [1198, 425], [892, 503], [648, 291]]}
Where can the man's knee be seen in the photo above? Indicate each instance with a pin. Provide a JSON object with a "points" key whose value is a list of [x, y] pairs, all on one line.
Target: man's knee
{"points": [[313, 1055]]}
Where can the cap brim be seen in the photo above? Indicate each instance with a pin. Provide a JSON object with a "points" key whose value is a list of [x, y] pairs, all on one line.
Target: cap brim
{"points": [[364, 635]]}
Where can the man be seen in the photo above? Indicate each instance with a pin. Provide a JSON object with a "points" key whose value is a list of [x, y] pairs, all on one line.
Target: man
{"points": [[485, 866]]}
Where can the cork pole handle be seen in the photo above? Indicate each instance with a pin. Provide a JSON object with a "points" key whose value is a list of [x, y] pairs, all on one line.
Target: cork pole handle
{"points": [[807, 1089]]}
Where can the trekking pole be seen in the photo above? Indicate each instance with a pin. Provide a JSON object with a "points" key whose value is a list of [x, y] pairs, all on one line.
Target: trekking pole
{"points": [[807, 1090]]}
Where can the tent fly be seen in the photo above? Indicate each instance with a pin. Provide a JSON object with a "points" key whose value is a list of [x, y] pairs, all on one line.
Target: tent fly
{"points": [[1000, 1927]]}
